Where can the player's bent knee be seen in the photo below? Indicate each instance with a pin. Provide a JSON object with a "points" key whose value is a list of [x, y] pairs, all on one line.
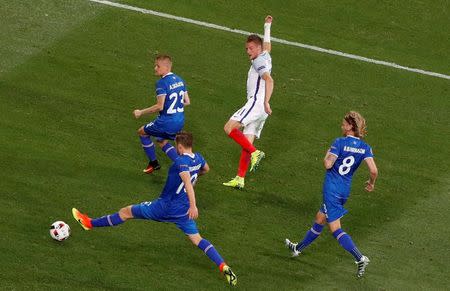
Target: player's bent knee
{"points": [[195, 238], [161, 143], [321, 218], [335, 225], [230, 125], [125, 213], [226, 128], [141, 131]]}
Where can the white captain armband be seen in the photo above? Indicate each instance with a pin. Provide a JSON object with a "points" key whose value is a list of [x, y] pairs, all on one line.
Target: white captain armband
{"points": [[267, 32]]}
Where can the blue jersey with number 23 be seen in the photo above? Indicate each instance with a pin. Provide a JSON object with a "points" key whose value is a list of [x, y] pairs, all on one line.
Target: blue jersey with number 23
{"points": [[174, 88]]}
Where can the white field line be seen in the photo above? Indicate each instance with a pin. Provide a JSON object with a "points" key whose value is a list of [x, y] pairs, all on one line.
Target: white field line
{"points": [[292, 43]]}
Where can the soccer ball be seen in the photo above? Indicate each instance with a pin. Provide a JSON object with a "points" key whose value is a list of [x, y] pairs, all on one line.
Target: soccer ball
{"points": [[59, 230]]}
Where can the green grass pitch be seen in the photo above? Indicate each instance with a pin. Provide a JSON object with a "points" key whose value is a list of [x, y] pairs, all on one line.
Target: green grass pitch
{"points": [[71, 72]]}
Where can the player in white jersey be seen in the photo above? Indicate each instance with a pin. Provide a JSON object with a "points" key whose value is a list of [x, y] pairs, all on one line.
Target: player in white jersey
{"points": [[252, 116]]}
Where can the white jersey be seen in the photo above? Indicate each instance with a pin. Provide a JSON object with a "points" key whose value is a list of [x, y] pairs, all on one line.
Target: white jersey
{"points": [[256, 86], [253, 115]]}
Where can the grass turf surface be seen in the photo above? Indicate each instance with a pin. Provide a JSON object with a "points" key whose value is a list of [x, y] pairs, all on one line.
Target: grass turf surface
{"points": [[71, 74]]}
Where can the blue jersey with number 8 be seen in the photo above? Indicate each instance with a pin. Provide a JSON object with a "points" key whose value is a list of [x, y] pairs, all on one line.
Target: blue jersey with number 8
{"points": [[350, 152]]}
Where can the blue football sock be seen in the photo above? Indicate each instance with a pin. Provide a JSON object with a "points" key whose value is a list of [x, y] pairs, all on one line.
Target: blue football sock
{"points": [[211, 252], [347, 243], [310, 236], [107, 220], [170, 151], [149, 147]]}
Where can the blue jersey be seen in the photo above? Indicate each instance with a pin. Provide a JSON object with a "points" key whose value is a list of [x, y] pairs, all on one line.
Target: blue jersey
{"points": [[350, 152], [174, 194], [173, 87]]}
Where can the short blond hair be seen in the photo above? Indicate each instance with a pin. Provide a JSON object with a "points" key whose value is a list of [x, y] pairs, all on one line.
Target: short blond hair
{"points": [[357, 122], [164, 57]]}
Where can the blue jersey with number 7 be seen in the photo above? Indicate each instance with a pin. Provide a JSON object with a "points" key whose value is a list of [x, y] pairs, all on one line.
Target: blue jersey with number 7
{"points": [[174, 88], [174, 194], [350, 152]]}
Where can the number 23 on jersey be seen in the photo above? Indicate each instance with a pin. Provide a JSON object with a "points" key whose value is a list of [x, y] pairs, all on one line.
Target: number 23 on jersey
{"points": [[173, 98]]}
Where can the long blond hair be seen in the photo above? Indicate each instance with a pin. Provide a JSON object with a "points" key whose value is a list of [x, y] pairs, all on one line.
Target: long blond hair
{"points": [[357, 122]]}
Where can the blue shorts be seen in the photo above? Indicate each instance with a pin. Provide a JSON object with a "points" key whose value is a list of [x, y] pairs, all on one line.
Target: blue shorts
{"points": [[333, 207], [160, 130], [155, 210]]}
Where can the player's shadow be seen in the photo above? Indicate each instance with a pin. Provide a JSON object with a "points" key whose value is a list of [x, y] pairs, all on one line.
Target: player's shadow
{"points": [[278, 200]]}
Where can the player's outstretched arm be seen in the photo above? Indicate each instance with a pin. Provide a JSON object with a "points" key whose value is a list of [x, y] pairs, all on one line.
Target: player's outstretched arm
{"points": [[329, 160], [155, 108], [186, 178], [373, 171], [267, 46]]}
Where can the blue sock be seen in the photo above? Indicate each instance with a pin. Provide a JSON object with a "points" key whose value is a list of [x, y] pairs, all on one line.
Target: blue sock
{"points": [[170, 151], [211, 252], [107, 220], [310, 236], [149, 147], [347, 243]]}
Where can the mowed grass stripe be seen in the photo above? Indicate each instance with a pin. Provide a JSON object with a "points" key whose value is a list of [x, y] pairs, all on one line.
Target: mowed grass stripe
{"points": [[411, 35], [275, 39], [28, 27]]}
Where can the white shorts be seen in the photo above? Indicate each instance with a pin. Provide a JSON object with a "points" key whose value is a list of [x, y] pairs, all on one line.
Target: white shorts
{"points": [[252, 116]]}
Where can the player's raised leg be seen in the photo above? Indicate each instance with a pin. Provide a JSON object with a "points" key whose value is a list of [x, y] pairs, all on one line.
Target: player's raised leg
{"points": [[232, 130], [214, 256], [149, 148], [168, 149], [255, 159], [252, 131], [107, 220]]}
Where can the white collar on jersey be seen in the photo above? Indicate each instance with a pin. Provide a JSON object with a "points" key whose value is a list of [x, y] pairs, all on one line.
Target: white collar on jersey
{"points": [[349, 135], [263, 53], [168, 74], [189, 155]]}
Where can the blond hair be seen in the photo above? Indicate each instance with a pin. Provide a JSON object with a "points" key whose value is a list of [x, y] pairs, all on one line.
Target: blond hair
{"points": [[163, 57], [357, 122]]}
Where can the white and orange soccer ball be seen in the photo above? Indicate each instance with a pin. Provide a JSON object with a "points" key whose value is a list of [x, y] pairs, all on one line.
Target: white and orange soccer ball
{"points": [[59, 230]]}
